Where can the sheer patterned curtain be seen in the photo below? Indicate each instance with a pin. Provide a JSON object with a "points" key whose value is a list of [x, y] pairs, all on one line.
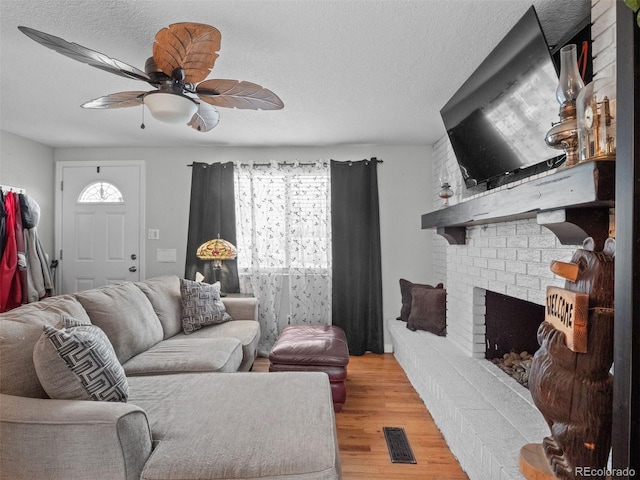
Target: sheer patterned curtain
{"points": [[283, 218]]}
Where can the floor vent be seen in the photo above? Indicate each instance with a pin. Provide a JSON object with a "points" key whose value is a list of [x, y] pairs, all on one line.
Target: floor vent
{"points": [[398, 445]]}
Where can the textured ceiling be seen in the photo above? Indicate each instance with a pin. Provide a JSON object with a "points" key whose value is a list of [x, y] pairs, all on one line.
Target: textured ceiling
{"points": [[349, 71]]}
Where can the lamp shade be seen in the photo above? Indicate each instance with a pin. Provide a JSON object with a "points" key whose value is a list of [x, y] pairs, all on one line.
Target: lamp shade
{"points": [[170, 107], [216, 250]]}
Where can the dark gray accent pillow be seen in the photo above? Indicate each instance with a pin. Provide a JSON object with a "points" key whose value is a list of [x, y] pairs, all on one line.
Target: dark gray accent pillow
{"points": [[201, 305], [428, 310], [405, 292], [76, 361]]}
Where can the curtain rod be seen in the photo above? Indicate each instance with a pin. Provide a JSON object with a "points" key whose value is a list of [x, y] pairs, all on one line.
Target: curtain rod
{"points": [[308, 164]]}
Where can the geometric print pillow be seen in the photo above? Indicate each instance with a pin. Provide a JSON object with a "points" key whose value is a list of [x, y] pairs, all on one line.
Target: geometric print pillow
{"points": [[77, 361], [201, 305]]}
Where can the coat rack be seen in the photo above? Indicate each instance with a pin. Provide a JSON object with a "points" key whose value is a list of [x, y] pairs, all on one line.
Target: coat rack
{"points": [[8, 188]]}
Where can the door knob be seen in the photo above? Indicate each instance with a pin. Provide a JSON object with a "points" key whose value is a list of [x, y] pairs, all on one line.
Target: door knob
{"points": [[133, 269]]}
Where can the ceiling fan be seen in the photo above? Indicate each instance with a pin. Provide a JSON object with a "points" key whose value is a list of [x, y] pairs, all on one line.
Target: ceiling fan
{"points": [[183, 56]]}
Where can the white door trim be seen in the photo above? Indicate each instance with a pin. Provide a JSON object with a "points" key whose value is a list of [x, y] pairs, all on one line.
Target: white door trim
{"points": [[58, 206]]}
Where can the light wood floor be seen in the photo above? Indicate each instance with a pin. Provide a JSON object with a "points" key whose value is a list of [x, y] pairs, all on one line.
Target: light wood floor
{"points": [[380, 395]]}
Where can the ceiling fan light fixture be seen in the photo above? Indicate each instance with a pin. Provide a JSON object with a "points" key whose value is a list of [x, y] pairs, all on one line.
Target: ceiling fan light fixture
{"points": [[170, 107]]}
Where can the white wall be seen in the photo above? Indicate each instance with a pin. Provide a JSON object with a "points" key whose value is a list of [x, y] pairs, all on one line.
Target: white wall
{"points": [[29, 165], [404, 187]]}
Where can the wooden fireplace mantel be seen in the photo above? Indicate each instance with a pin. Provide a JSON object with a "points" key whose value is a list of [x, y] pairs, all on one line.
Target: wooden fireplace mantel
{"points": [[572, 202]]}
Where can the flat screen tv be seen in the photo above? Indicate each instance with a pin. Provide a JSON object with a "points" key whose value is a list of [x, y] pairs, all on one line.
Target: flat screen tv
{"points": [[498, 119]]}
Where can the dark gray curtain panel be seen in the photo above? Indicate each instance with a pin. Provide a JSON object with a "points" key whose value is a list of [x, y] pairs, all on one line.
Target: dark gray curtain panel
{"points": [[212, 213], [357, 273]]}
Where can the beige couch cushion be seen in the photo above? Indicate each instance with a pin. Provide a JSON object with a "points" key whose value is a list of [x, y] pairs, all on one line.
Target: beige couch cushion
{"points": [[20, 329], [247, 331], [76, 361], [126, 316], [242, 307], [187, 355], [164, 294], [296, 441]]}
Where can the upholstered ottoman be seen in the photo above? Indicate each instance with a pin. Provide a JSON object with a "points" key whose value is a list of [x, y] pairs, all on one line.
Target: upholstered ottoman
{"points": [[314, 348]]}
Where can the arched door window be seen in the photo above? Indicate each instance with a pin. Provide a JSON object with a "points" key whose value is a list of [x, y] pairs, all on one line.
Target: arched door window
{"points": [[100, 192]]}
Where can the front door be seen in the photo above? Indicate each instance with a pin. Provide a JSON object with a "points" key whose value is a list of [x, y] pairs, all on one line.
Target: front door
{"points": [[100, 224]]}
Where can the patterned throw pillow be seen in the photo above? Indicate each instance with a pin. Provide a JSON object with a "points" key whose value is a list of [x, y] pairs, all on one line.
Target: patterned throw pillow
{"points": [[201, 305], [76, 361]]}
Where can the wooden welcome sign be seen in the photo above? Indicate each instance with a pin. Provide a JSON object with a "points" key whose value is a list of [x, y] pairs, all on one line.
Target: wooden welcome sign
{"points": [[568, 312]]}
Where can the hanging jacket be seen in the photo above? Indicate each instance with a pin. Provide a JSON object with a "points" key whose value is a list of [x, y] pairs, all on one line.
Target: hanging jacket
{"points": [[10, 286], [3, 224], [39, 279], [22, 258]]}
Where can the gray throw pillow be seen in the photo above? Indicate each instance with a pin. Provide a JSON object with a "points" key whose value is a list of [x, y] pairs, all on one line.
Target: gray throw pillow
{"points": [[201, 305], [76, 361]]}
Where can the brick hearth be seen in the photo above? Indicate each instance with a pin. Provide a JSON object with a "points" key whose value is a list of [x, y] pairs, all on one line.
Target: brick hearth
{"points": [[484, 415]]}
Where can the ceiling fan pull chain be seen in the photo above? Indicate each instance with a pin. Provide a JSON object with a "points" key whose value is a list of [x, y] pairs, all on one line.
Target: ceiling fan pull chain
{"points": [[142, 126]]}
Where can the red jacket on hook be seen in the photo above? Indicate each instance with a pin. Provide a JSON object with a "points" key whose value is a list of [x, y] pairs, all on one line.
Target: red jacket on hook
{"points": [[10, 284]]}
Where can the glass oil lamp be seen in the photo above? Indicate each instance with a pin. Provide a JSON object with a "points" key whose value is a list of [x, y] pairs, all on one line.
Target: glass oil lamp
{"points": [[564, 134]]}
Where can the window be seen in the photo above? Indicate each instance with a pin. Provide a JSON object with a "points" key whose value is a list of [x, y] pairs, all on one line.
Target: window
{"points": [[283, 237], [100, 192], [283, 217]]}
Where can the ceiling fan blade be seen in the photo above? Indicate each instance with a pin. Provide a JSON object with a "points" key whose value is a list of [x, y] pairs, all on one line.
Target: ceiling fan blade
{"points": [[116, 100], [205, 119], [237, 94], [85, 55], [189, 46]]}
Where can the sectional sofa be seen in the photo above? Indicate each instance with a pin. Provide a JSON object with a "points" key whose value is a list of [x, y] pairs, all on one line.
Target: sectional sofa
{"points": [[192, 410]]}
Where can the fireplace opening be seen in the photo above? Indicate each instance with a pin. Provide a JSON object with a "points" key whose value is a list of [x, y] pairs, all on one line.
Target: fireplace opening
{"points": [[511, 326]]}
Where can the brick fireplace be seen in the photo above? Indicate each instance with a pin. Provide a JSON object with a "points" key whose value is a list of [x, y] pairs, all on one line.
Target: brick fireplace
{"points": [[511, 325], [485, 416], [512, 259]]}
